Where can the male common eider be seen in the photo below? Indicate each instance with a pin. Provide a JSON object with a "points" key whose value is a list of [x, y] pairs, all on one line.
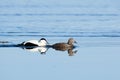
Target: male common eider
{"points": [[42, 42]]}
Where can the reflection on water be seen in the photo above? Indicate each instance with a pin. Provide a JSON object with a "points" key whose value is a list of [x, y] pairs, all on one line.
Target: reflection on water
{"points": [[43, 50]]}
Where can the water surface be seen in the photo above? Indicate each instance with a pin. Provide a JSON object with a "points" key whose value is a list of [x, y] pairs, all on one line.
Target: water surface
{"points": [[95, 27]]}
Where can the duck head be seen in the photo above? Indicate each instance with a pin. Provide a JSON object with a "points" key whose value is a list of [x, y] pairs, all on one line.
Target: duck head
{"points": [[71, 41], [43, 42]]}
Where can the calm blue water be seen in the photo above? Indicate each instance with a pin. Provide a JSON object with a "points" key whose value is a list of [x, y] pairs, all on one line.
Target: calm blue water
{"points": [[94, 24]]}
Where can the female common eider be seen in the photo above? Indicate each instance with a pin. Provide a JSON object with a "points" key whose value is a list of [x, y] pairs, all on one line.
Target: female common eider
{"points": [[64, 46], [42, 42]]}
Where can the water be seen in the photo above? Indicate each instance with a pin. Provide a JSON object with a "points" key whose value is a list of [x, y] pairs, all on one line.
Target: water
{"points": [[93, 24]]}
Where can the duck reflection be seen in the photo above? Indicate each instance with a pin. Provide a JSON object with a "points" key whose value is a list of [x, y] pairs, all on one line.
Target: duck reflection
{"points": [[71, 52], [41, 50]]}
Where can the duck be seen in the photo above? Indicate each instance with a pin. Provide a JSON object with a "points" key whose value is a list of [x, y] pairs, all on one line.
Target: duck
{"points": [[64, 46], [42, 42]]}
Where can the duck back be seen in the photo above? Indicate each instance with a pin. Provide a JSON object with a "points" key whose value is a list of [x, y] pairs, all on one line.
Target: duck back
{"points": [[61, 46], [30, 44]]}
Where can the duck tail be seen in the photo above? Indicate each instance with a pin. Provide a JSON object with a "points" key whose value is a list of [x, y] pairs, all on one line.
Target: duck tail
{"points": [[21, 44]]}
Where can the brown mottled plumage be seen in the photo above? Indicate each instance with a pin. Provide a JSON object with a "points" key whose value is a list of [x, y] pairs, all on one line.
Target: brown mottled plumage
{"points": [[64, 46]]}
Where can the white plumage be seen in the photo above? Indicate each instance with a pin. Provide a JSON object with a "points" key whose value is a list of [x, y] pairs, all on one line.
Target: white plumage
{"points": [[41, 42]]}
